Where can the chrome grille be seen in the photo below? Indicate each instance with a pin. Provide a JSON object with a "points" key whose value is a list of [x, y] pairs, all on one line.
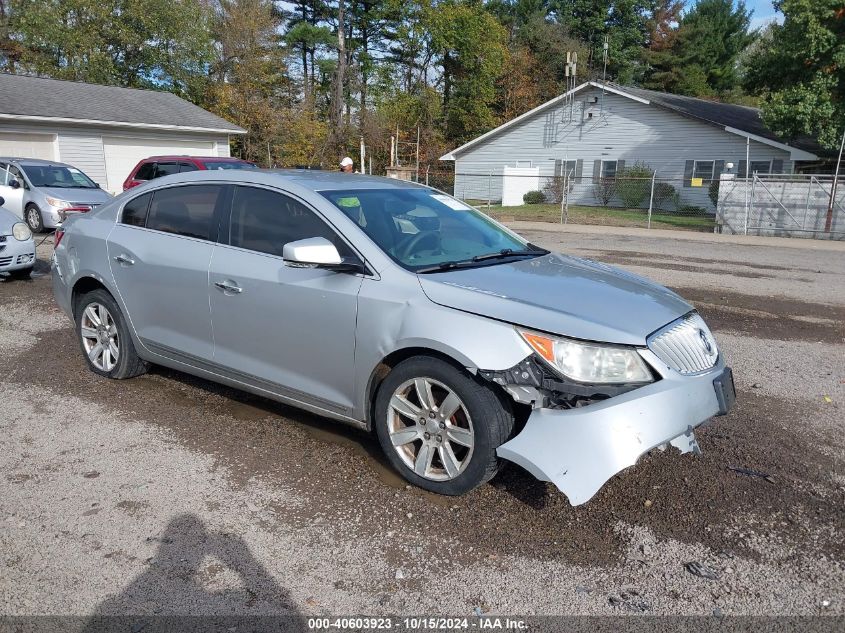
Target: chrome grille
{"points": [[686, 345]]}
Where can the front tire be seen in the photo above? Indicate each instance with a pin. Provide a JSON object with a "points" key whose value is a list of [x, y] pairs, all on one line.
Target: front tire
{"points": [[104, 337], [33, 219], [439, 426]]}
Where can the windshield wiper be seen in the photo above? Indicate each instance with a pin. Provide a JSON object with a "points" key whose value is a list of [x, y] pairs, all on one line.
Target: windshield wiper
{"points": [[509, 252], [532, 251]]}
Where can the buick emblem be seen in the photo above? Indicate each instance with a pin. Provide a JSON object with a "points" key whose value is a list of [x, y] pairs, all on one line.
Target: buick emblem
{"points": [[705, 341]]}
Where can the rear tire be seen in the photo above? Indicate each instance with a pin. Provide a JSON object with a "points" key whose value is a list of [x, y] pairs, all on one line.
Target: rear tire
{"points": [[444, 440], [34, 221], [104, 337]]}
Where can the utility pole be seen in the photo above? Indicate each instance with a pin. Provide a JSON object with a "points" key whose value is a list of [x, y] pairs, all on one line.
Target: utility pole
{"points": [[336, 112], [605, 48], [828, 223], [418, 154]]}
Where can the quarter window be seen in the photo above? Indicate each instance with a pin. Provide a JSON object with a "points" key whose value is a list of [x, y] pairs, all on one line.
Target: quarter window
{"points": [[187, 210], [15, 173], [265, 221], [135, 211]]}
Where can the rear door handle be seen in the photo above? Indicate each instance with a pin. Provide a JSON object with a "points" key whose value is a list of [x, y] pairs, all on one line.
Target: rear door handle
{"points": [[228, 286], [124, 259]]}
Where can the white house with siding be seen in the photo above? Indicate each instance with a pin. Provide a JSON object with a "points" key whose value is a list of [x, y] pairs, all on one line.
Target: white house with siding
{"points": [[595, 130], [103, 130]]}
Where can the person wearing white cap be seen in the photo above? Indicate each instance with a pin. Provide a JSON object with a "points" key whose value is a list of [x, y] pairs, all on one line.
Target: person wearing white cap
{"points": [[346, 165]]}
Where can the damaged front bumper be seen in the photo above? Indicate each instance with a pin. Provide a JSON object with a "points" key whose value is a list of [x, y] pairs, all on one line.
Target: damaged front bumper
{"points": [[579, 449]]}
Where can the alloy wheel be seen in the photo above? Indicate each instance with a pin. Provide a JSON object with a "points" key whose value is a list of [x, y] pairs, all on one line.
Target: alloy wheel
{"points": [[33, 217], [99, 337], [430, 429]]}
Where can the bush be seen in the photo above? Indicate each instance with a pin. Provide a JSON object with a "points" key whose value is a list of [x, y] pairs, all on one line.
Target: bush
{"points": [[604, 190], [553, 190], [663, 193], [692, 209], [713, 192], [534, 197], [633, 184]]}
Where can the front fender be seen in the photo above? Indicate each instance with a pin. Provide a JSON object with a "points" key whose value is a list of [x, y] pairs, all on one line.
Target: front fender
{"points": [[394, 315]]}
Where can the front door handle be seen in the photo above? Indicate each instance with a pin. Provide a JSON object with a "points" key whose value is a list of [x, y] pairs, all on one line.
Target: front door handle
{"points": [[228, 286], [124, 259]]}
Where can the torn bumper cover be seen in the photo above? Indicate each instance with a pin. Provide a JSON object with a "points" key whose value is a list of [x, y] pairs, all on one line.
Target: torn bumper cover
{"points": [[579, 449]]}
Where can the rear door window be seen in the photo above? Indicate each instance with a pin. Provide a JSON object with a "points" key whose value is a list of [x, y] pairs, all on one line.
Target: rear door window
{"points": [[147, 171], [135, 211], [184, 167], [165, 169], [188, 210]]}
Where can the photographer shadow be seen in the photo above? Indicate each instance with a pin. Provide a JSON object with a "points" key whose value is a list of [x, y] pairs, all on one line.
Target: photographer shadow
{"points": [[179, 593]]}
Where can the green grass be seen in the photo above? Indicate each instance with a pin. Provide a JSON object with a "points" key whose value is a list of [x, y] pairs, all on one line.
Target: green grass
{"points": [[607, 216]]}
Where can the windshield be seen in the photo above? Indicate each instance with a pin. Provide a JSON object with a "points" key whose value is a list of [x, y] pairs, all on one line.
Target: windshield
{"points": [[57, 176], [423, 230], [228, 164]]}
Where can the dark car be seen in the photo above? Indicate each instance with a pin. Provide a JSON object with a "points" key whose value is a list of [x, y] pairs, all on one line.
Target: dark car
{"points": [[158, 166]]}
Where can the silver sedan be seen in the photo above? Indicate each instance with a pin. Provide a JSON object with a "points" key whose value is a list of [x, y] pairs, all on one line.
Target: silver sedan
{"points": [[17, 248], [398, 309]]}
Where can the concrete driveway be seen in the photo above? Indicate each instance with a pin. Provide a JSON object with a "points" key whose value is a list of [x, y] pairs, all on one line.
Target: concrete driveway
{"points": [[169, 494]]}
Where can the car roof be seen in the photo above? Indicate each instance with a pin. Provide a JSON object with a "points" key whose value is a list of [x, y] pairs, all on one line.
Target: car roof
{"points": [[207, 159], [320, 180], [32, 161], [310, 179]]}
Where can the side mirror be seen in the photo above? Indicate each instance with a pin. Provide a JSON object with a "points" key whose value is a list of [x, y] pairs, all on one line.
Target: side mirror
{"points": [[14, 183], [317, 252], [313, 251], [2, 201]]}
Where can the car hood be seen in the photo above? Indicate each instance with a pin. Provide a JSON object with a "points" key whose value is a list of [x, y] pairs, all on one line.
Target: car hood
{"points": [[82, 196], [7, 219], [563, 295]]}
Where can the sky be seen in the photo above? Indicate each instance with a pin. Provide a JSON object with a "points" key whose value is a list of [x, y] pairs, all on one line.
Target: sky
{"points": [[763, 12]]}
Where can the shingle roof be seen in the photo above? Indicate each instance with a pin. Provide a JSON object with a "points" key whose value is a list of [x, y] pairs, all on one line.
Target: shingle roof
{"points": [[726, 114], [38, 97], [734, 118]]}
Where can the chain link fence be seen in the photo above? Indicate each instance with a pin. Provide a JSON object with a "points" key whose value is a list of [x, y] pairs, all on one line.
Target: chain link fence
{"points": [[785, 205], [648, 202]]}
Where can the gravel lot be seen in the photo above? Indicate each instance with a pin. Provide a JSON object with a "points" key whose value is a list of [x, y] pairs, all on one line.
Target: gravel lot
{"points": [[169, 494]]}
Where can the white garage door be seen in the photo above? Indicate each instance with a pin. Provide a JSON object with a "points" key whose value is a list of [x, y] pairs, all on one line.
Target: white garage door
{"points": [[122, 154], [27, 145]]}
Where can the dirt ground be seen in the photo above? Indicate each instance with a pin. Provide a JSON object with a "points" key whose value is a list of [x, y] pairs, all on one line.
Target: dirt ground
{"points": [[170, 494]]}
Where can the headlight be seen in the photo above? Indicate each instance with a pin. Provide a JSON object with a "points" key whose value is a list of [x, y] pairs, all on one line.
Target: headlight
{"points": [[588, 362], [21, 231], [56, 202]]}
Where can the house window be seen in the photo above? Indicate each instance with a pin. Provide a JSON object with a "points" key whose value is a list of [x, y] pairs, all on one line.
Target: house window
{"points": [[565, 168], [609, 168], [703, 169], [523, 163], [761, 167]]}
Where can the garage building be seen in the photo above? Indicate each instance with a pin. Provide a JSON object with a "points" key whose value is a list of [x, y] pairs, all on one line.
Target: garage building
{"points": [[103, 130]]}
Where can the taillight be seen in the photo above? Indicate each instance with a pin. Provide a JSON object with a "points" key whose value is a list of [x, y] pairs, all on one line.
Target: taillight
{"points": [[57, 237]]}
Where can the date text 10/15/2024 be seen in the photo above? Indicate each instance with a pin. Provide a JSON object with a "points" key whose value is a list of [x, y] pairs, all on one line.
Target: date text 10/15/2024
{"points": [[418, 623]]}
